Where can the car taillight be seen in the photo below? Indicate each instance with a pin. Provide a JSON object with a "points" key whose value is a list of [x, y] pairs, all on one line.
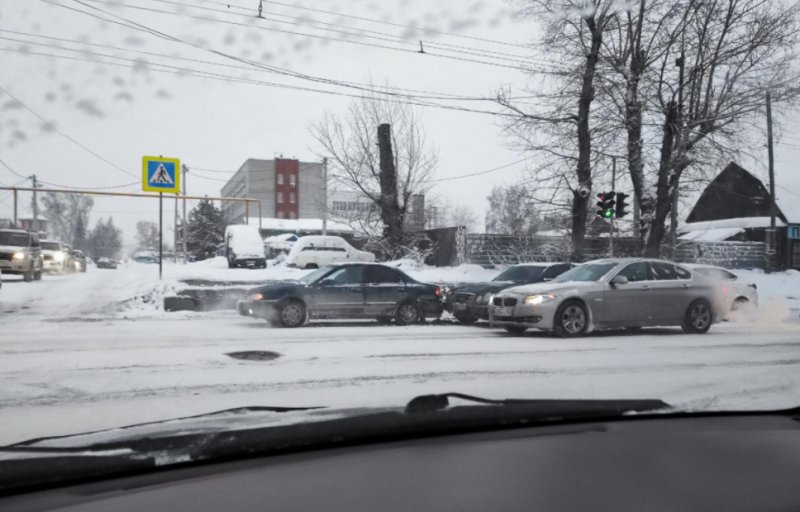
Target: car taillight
{"points": [[438, 292]]}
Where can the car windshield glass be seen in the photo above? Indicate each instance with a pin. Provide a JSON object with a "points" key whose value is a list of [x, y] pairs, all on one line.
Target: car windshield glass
{"points": [[13, 239], [521, 273], [315, 275], [234, 171], [586, 272]]}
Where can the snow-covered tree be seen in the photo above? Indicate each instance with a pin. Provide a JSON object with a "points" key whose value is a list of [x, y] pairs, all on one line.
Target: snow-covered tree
{"points": [[105, 240], [66, 214], [205, 229], [147, 235], [511, 212]]}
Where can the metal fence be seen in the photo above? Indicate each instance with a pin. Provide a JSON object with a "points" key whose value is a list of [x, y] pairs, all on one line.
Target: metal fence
{"points": [[723, 254]]}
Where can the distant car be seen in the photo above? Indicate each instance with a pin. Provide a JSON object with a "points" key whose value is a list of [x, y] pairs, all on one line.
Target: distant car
{"points": [[20, 253], [610, 293], [55, 257], [106, 263], [470, 302], [79, 261], [244, 247], [145, 257], [348, 290], [316, 251], [735, 293]]}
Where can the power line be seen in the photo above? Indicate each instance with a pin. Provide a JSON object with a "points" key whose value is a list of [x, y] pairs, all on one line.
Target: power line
{"points": [[180, 71], [430, 94], [273, 29], [56, 130], [13, 171], [72, 187], [484, 172]]}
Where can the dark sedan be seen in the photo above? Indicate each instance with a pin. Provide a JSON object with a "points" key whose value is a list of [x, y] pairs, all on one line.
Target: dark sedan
{"points": [[470, 302], [348, 290]]}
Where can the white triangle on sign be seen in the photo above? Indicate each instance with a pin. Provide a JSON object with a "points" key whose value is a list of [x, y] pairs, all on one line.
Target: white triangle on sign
{"points": [[161, 176]]}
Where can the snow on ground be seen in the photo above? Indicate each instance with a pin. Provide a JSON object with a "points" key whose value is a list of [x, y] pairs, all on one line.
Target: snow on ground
{"points": [[91, 351]]}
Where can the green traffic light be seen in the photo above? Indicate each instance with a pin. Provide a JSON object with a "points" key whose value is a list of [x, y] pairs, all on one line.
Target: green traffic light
{"points": [[608, 213]]}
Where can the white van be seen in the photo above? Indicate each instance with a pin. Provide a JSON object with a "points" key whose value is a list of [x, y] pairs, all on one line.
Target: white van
{"points": [[317, 251], [244, 247]]}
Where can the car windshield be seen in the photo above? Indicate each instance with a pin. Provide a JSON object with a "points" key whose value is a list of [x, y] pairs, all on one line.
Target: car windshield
{"points": [[586, 272], [314, 276], [217, 163], [521, 273], [13, 239]]}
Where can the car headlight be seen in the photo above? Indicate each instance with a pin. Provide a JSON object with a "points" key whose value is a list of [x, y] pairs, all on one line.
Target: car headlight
{"points": [[59, 256], [256, 296], [535, 300], [19, 256]]}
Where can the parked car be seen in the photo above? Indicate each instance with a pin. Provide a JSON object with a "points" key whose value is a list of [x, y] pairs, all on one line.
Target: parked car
{"points": [[470, 302], [244, 247], [317, 251], [276, 245], [735, 293], [106, 263], [610, 293], [55, 258], [347, 290], [20, 253]]}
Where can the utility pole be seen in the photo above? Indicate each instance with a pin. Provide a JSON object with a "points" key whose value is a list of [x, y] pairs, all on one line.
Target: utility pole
{"points": [[325, 196], [183, 223], [771, 231], [611, 220], [15, 208], [35, 225], [673, 212]]}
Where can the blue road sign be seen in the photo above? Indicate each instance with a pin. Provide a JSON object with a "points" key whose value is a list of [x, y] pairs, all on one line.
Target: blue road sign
{"points": [[161, 174]]}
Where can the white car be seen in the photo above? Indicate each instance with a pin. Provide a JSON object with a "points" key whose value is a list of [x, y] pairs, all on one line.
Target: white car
{"points": [[244, 247], [317, 251], [735, 293], [54, 257]]}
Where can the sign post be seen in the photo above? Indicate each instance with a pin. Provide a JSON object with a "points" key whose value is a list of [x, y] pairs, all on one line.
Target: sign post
{"points": [[160, 174]]}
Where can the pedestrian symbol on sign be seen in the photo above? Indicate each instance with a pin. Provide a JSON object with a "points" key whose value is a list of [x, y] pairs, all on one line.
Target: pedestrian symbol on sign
{"points": [[161, 176]]}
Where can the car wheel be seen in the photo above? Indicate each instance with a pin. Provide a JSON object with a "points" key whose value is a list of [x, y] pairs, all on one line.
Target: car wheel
{"points": [[698, 317], [37, 276], [406, 313], [27, 276], [292, 314], [739, 303], [310, 266], [230, 264], [466, 319], [571, 319], [515, 329], [384, 319]]}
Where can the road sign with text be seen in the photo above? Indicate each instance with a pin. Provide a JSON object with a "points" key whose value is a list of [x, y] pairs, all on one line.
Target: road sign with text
{"points": [[161, 174]]}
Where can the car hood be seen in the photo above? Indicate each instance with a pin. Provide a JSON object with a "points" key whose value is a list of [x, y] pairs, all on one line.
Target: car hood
{"points": [[532, 289], [276, 288], [11, 248], [487, 286]]}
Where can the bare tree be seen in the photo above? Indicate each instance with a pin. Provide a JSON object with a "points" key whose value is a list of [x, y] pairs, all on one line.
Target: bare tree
{"points": [[559, 125], [511, 212], [351, 142], [68, 215]]}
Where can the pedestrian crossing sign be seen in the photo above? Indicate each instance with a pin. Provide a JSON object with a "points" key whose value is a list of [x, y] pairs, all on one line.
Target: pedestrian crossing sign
{"points": [[161, 174]]}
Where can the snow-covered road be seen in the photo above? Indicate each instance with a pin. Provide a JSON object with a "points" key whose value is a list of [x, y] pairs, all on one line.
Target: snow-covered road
{"points": [[77, 354]]}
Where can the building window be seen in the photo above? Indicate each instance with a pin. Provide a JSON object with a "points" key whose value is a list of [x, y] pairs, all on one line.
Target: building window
{"points": [[280, 197], [293, 180], [291, 197], [280, 178]]}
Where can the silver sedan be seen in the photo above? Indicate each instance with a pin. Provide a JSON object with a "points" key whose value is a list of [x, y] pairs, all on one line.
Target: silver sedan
{"points": [[610, 294]]}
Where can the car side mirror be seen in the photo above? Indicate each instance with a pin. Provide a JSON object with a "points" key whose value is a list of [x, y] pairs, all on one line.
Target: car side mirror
{"points": [[619, 280]]}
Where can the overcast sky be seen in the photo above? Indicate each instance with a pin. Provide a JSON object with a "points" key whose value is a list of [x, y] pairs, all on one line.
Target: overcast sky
{"points": [[87, 117]]}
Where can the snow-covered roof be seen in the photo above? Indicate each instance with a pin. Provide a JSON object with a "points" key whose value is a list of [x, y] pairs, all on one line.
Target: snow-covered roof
{"points": [[711, 235], [739, 222], [299, 224]]}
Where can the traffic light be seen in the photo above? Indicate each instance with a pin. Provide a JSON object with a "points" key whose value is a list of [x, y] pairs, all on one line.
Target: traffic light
{"points": [[621, 204], [606, 204]]}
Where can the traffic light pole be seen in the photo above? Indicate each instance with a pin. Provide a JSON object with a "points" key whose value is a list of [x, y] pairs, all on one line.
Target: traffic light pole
{"points": [[611, 220]]}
